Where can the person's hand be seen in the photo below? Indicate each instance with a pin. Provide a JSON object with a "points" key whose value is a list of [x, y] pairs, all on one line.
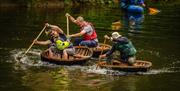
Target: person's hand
{"points": [[47, 24], [102, 56], [67, 15], [35, 41], [106, 37], [68, 36], [47, 32]]}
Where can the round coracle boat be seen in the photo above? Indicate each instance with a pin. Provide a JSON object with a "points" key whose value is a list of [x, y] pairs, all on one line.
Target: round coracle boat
{"points": [[82, 55], [138, 66], [100, 48]]}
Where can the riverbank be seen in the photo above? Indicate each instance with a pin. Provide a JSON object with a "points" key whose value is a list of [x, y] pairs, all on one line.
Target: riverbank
{"points": [[55, 3], [67, 3]]}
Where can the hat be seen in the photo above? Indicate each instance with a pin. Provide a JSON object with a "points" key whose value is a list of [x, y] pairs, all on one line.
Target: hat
{"points": [[116, 35]]}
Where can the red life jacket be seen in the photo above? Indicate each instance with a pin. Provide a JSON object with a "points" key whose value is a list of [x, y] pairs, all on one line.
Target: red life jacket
{"points": [[87, 36]]}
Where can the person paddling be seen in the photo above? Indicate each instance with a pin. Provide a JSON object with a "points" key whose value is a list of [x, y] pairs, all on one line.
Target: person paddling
{"points": [[58, 43], [134, 13], [124, 46], [87, 31]]}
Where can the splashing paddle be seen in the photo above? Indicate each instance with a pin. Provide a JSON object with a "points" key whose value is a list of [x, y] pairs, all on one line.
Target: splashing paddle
{"points": [[32, 43]]}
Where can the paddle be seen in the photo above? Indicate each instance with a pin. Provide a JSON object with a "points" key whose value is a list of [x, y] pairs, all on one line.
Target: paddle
{"points": [[67, 25], [33, 42], [153, 11], [101, 54]]}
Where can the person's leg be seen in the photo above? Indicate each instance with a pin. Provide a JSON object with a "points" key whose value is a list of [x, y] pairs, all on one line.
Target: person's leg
{"points": [[124, 58], [70, 51], [77, 41], [65, 55], [131, 60], [50, 52], [89, 43]]}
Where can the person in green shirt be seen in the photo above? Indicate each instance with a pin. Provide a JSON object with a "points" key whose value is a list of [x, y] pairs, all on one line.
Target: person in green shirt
{"points": [[124, 46]]}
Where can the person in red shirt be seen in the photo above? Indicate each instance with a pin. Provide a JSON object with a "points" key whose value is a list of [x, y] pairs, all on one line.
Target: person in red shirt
{"points": [[86, 30]]}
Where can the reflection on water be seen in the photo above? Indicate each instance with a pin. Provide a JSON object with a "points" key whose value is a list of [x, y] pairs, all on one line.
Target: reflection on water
{"points": [[159, 43], [33, 59], [47, 77]]}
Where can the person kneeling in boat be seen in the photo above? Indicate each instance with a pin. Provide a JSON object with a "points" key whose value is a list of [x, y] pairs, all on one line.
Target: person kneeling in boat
{"points": [[124, 46], [87, 31], [58, 42]]}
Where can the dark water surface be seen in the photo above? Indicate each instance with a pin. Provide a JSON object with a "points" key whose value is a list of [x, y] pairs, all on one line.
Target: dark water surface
{"points": [[158, 43]]}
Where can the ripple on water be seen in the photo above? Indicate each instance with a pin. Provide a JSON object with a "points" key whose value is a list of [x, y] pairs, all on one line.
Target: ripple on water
{"points": [[33, 59]]}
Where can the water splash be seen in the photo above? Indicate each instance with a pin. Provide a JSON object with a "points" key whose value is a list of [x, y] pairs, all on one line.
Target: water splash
{"points": [[33, 59], [92, 69]]}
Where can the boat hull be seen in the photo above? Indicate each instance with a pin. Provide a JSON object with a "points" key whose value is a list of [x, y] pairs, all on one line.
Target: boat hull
{"points": [[100, 48], [139, 66], [82, 51]]}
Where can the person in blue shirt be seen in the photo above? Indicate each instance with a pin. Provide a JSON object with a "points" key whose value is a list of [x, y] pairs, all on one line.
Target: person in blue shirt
{"points": [[124, 46], [58, 43], [124, 4], [133, 12]]}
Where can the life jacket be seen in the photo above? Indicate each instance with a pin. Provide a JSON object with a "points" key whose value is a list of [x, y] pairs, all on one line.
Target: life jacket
{"points": [[127, 49], [87, 36], [62, 45]]}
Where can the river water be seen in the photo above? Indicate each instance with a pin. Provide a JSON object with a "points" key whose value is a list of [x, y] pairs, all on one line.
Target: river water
{"points": [[157, 42]]}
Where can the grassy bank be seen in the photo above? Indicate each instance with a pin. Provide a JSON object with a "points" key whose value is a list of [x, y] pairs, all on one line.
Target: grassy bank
{"points": [[54, 3], [62, 3]]}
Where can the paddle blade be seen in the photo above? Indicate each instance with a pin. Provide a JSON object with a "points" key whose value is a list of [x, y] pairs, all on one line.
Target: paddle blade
{"points": [[20, 57], [153, 11]]}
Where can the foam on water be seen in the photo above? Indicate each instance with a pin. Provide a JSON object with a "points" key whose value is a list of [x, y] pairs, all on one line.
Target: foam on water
{"points": [[33, 59], [93, 69]]}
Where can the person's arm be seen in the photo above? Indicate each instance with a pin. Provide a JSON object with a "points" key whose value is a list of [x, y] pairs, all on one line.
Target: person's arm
{"points": [[142, 3], [71, 18], [47, 42], [111, 51], [85, 30], [55, 27], [58, 28], [78, 34]]}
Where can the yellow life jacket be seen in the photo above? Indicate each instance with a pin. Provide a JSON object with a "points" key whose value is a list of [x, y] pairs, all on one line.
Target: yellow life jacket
{"points": [[62, 45]]}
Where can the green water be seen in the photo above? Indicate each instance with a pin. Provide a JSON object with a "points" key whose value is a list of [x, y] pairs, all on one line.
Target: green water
{"points": [[158, 43]]}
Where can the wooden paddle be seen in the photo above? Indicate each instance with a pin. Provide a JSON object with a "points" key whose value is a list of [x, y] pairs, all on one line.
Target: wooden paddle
{"points": [[67, 25], [33, 42], [101, 53]]}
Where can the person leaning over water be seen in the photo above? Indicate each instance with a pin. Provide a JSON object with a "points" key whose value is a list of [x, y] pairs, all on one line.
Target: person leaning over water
{"points": [[87, 31], [124, 46], [58, 43]]}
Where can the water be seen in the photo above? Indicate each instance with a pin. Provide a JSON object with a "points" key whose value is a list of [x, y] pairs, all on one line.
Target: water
{"points": [[158, 43]]}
